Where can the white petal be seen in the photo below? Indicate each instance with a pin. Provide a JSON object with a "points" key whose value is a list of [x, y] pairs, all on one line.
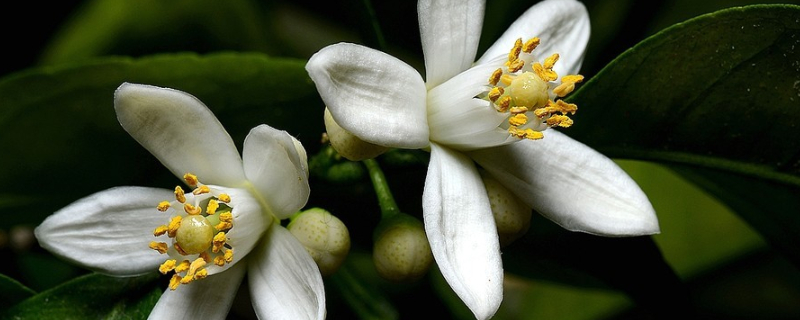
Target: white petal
{"points": [[572, 184], [180, 131], [209, 298], [375, 96], [276, 169], [450, 31], [461, 231], [562, 26], [250, 223], [285, 283], [459, 120], [108, 231]]}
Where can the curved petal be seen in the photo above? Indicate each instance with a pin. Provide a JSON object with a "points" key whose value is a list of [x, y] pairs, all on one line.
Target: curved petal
{"points": [[562, 26], [572, 184], [285, 283], [461, 230], [109, 231], [450, 31], [209, 298], [276, 169], [180, 131], [460, 121], [377, 97]]}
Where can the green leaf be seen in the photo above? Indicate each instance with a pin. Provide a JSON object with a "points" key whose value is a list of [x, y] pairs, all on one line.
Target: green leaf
{"points": [[58, 123], [121, 27], [718, 95], [363, 297], [92, 296], [12, 292]]}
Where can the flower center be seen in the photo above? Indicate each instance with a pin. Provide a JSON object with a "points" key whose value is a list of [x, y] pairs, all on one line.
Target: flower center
{"points": [[198, 237], [527, 96]]}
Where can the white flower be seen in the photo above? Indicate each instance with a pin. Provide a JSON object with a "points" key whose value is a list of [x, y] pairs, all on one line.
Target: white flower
{"points": [[207, 238], [461, 116]]}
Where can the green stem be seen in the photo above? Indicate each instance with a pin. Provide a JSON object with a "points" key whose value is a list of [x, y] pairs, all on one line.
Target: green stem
{"points": [[385, 199], [376, 28]]}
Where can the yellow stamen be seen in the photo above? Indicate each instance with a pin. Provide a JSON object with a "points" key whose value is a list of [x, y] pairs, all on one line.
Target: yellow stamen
{"points": [[226, 217], [180, 195], [167, 266], [160, 230], [574, 78], [559, 120], [190, 179], [516, 65], [219, 260], [193, 268], [518, 119], [218, 242], [550, 62], [224, 197], [530, 45], [513, 55], [201, 190], [201, 274], [213, 205], [174, 282], [525, 134], [163, 206], [190, 209], [518, 110], [228, 255], [506, 79], [495, 77], [161, 247], [183, 266], [544, 73], [503, 104], [495, 93], [173, 226], [564, 107], [564, 88]]}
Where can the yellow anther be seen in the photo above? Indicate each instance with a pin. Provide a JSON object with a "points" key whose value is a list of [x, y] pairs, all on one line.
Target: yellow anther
{"points": [[226, 217], [559, 120], [158, 246], [174, 282], [530, 45], [513, 55], [173, 226], [160, 230], [516, 65], [201, 190], [224, 197], [219, 260], [503, 104], [218, 242], [212, 207], [228, 255], [525, 134], [564, 107], [564, 88], [183, 266], [190, 209], [179, 249], [518, 110], [201, 274], [544, 73], [179, 194], [506, 79], [190, 179], [495, 93], [222, 226], [550, 62], [167, 266], [518, 119], [163, 206], [574, 78], [187, 279], [495, 77], [196, 264]]}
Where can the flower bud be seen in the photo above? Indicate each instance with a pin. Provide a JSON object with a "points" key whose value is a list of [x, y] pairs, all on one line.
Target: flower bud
{"points": [[347, 144], [324, 236], [511, 216], [401, 252]]}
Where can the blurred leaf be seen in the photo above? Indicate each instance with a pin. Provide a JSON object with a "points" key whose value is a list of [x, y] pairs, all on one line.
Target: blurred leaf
{"points": [[363, 297], [92, 296], [719, 92], [12, 292], [124, 27], [57, 124]]}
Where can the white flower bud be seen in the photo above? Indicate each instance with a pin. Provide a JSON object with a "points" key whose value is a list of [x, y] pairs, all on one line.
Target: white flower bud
{"points": [[401, 252], [347, 144], [511, 216], [324, 236]]}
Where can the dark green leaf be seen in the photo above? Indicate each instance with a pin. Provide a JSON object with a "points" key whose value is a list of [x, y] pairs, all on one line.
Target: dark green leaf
{"points": [[363, 297], [12, 292], [58, 124], [92, 296]]}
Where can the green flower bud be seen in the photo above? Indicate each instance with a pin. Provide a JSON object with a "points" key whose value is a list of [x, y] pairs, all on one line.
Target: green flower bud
{"points": [[511, 216], [324, 236], [347, 144], [401, 252]]}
